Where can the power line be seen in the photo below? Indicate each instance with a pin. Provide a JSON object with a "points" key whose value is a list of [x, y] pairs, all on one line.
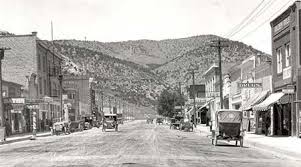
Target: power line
{"points": [[254, 17], [252, 31], [245, 19]]}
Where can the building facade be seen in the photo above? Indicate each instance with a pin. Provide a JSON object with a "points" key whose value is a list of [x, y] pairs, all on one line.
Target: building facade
{"points": [[35, 65], [286, 64]]}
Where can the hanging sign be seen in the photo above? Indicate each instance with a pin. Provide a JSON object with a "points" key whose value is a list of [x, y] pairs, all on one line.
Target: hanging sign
{"points": [[249, 85]]}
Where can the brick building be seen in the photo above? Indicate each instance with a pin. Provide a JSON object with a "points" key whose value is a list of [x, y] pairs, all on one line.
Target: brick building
{"points": [[286, 63], [34, 64]]}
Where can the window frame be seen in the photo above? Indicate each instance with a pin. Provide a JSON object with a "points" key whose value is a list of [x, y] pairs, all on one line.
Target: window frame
{"points": [[287, 55], [279, 60]]}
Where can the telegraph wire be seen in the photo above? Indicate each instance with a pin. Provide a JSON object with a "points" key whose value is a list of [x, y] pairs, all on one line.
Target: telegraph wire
{"points": [[255, 29], [245, 19], [253, 18]]}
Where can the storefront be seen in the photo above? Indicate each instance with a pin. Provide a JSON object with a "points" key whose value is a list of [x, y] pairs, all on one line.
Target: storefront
{"points": [[249, 121], [267, 113], [15, 115]]}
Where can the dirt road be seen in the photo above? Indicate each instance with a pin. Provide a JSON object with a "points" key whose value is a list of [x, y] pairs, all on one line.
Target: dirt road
{"points": [[136, 144]]}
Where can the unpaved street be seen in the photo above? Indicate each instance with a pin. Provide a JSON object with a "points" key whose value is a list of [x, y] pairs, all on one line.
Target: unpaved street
{"points": [[136, 144]]}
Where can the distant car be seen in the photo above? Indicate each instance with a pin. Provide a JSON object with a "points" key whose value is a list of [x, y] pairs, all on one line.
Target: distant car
{"points": [[87, 126], [186, 126], [159, 121]]}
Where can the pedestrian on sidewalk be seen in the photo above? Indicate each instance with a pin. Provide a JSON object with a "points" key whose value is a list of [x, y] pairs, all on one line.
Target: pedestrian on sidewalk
{"points": [[267, 125], [7, 128]]}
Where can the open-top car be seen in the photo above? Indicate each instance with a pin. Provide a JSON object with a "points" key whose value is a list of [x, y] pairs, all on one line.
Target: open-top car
{"points": [[228, 126], [110, 122]]}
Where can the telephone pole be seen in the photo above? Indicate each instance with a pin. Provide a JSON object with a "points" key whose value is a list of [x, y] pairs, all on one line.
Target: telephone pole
{"points": [[193, 93], [218, 44]]}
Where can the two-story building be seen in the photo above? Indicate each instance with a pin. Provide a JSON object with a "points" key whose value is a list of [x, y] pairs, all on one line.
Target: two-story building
{"points": [[34, 64], [211, 77], [286, 63]]}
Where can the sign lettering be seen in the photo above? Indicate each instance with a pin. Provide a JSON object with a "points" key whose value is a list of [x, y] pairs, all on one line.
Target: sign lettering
{"points": [[249, 85]]}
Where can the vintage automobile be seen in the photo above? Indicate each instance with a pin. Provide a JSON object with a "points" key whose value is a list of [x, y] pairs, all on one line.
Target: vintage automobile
{"points": [[110, 122], [77, 126], [186, 126], [176, 121], [159, 121], [149, 120], [228, 126], [61, 127]]}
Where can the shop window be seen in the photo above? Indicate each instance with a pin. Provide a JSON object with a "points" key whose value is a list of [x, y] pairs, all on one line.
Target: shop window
{"points": [[4, 93], [279, 60], [287, 55], [12, 92]]}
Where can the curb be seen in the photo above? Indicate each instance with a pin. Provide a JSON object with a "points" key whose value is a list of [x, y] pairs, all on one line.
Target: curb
{"points": [[23, 138], [273, 150]]}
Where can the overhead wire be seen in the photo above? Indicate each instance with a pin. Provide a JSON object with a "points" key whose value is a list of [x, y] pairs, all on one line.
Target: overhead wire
{"points": [[265, 8], [260, 25], [245, 19]]}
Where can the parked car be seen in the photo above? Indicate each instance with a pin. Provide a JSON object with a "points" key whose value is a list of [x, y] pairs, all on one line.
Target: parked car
{"points": [[228, 126], [159, 121], [110, 122], [186, 126]]}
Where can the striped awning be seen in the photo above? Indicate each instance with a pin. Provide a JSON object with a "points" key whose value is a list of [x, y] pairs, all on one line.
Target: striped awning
{"points": [[256, 99], [268, 102]]}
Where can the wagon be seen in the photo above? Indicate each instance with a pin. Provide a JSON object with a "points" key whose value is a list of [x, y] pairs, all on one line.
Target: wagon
{"points": [[228, 126]]}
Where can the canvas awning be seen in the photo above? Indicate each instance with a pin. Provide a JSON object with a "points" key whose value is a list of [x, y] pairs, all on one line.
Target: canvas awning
{"points": [[268, 102], [201, 108], [256, 99]]}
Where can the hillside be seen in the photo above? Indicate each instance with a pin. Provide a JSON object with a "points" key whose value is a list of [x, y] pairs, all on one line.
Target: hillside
{"points": [[115, 77], [148, 53], [170, 59]]}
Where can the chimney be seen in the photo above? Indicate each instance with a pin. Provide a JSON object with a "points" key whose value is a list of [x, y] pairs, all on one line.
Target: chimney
{"points": [[34, 33]]}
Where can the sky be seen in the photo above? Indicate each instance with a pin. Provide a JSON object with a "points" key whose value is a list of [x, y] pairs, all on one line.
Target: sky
{"points": [[122, 20]]}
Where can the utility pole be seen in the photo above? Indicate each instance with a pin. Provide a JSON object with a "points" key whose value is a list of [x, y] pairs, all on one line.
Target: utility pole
{"points": [[180, 93], [193, 93], [219, 47]]}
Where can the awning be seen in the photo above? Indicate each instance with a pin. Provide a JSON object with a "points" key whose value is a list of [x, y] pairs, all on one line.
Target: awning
{"points": [[285, 99], [256, 99], [268, 102], [201, 108]]}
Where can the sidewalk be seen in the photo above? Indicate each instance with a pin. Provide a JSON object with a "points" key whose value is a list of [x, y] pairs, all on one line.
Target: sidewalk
{"points": [[289, 147], [22, 137]]}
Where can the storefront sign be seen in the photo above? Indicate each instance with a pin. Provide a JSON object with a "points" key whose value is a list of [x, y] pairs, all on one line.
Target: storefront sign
{"points": [[34, 101], [287, 72], [18, 100], [282, 24], [249, 85], [212, 94], [33, 106], [290, 89]]}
